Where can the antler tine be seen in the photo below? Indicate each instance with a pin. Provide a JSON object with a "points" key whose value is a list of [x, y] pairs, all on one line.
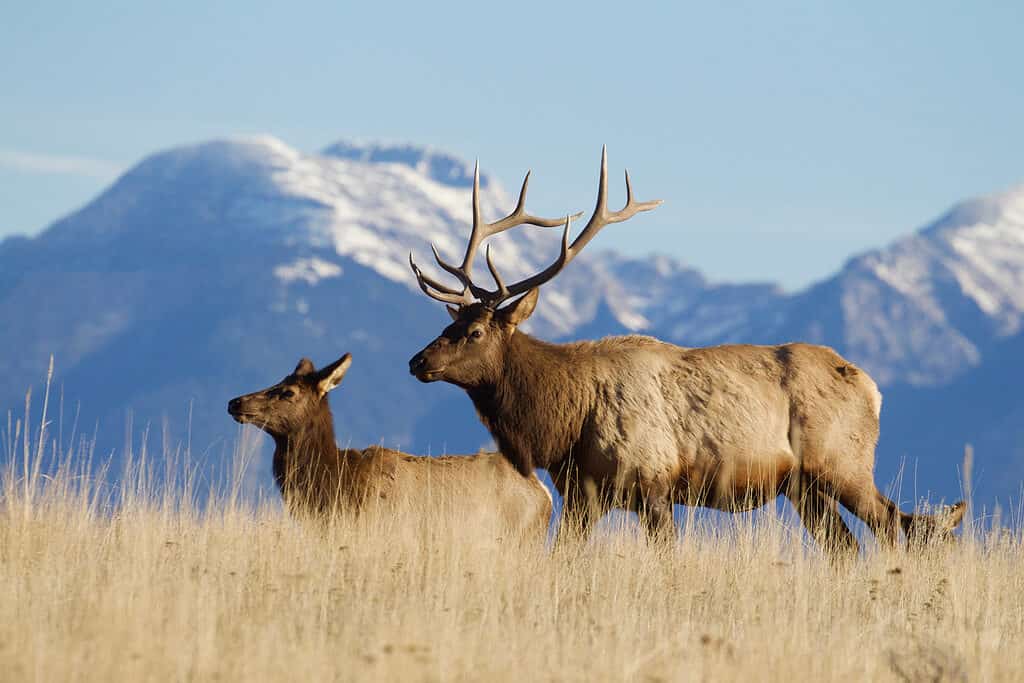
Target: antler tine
{"points": [[479, 227], [459, 273], [443, 292], [637, 207], [600, 218], [464, 271], [480, 232], [477, 212], [501, 292], [523, 286], [519, 216]]}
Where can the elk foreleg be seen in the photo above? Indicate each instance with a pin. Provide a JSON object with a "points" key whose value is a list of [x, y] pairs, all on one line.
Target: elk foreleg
{"points": [[656, 516], [582, 504], [654, 508], [819, 513]]}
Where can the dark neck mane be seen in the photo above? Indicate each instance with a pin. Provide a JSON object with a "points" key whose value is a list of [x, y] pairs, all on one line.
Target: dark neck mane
{"points": [[534, 410]]}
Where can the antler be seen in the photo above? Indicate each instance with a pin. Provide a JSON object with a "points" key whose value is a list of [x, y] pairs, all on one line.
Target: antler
{"points": [[600, 218], [493, 298], [481, 231]]}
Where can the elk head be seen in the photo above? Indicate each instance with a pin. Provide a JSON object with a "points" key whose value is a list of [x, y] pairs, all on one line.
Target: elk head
{"points": [[469, 352], [286, 407]]}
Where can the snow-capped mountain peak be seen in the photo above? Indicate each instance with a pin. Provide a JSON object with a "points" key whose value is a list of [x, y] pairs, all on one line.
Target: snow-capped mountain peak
{"points": [[979, 245], [374, 204], [435, 164], [985, 251]]}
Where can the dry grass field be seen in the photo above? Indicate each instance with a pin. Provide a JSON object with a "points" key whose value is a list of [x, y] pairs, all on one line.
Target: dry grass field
{"points": [[140, 583]]}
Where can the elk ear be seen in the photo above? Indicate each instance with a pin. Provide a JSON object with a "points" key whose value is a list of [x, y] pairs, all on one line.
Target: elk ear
{"points": [[453, 312], [520, 309], [305, 367], [330, 377]]}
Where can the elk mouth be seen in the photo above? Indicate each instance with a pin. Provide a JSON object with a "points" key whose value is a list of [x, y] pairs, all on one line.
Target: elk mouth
{"points": [[235, 410], [241, 417], [428, 375]]}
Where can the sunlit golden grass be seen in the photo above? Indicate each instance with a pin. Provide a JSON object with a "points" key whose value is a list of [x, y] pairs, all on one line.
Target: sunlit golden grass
{"points": [[139, 583], [155, 589]]}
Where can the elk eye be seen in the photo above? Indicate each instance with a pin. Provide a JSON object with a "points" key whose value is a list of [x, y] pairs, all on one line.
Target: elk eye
{"points": [[287, 393], [476, 334]]}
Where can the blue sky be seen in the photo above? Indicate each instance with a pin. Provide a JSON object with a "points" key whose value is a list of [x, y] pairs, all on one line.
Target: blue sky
{"points": [[782, 138]]}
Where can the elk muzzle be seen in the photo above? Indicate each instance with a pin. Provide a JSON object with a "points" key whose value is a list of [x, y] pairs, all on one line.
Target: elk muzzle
{"points": [[237, 410], [420, 367]]}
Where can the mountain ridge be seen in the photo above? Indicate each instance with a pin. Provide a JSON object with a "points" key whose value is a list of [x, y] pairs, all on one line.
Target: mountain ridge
{"points": [[207, 270]]}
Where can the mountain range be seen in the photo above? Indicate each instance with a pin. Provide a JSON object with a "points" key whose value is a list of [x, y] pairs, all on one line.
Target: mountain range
{"points": [[207, 271]]}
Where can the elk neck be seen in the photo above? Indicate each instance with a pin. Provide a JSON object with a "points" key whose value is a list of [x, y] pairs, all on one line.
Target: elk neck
{"points": [[535, 408], [308, 447]]}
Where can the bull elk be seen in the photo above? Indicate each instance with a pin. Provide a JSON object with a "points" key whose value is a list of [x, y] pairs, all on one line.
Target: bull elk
{"points": [[317, 478], [638, 423]]}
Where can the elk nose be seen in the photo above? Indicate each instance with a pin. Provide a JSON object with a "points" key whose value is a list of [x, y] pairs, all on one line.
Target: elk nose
{"points": [[417, 362]]}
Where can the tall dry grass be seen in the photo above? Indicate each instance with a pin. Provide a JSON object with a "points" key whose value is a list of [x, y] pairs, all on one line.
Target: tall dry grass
{"points": [[140, 582]]}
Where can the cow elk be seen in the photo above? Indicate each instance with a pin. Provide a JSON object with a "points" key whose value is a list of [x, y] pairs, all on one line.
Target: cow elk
{"points": [[638, 423], [316, 478]]}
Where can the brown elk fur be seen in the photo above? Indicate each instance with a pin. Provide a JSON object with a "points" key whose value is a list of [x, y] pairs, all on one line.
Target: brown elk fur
{"points": [[642, 424], [318, 478]]}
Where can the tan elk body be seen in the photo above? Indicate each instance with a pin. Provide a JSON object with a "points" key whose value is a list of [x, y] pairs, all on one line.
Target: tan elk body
{"points": [[317, 478], [642, 424]]}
